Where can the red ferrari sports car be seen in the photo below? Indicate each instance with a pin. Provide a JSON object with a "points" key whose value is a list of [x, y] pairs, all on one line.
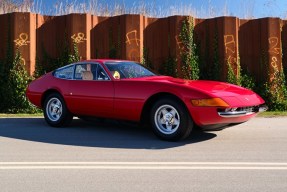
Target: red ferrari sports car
{"points": [[126, 90]]}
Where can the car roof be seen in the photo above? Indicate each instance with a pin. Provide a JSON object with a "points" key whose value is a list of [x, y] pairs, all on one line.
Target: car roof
{"points": [[102, 61], [106, 60]]}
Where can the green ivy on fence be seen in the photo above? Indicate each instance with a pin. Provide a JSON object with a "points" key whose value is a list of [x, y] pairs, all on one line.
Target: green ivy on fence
{"points": [[18, 80], [189, 52], [146, 60], [231, 76], [274, 92], [14, 82], [169, 67], [246, 80], [49, 63], [5, 67], [14, 78]]}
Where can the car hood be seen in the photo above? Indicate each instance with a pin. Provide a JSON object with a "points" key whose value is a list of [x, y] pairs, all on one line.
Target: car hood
{"points": [[210, 87], [219, 88], [232, 94]]}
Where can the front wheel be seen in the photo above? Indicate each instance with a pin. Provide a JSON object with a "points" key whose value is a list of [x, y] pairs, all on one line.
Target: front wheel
{"points": [[170, 120], [55, 111]]}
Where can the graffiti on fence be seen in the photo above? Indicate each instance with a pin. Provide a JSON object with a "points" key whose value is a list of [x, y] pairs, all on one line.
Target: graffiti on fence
{"points": [[179, 43], [78, 38], [132, 36], [274, 42], [22, 40], [275, 49], [134, 42], [22, 61], [229, 43], [230, 50], [231, 60]]}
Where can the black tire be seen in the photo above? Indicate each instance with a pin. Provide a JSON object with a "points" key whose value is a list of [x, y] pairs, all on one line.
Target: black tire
{"points": [[172, 126], [55, 111]]}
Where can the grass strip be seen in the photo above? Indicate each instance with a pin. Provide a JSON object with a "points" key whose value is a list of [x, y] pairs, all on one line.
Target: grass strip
{"points": [[273, 114], [3, 115]]}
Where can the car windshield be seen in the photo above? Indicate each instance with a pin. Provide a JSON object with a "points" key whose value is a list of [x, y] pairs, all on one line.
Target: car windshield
{"points": [[123, 70]]}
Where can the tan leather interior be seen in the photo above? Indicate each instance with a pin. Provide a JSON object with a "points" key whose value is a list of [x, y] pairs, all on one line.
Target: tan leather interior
{"points": [[87, 75]]}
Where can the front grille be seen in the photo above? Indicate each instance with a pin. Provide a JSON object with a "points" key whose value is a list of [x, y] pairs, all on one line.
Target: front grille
{"points": [[241, 111], [247, 109], [250, 109]]}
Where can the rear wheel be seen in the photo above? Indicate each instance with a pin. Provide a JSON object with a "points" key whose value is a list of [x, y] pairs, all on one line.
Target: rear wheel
{"points": [[170, 120], [55, 111]]}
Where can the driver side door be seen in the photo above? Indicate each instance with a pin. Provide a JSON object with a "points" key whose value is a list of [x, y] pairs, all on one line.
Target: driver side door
{"points": [[91, 91]]}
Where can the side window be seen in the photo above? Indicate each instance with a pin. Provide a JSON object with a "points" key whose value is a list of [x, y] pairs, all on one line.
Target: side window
{"points": [[101, 74], [79, 70], [86, 71], [64, 73]]}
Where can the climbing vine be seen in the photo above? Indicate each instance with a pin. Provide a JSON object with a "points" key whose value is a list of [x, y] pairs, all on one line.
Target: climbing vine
{"points": [[246, 80], [13, 87], [18, 80], [231, 76], [274, 92], [146, 60], [48, 63], [169, 67], [189, 52], [14, 80]]}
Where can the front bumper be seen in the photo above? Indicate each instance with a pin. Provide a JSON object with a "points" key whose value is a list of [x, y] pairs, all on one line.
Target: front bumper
{"points": [[239, 112], [207, 116]]}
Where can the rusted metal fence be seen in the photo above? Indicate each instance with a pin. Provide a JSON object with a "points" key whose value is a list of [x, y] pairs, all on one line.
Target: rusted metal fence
{"points": [[257, 43]]}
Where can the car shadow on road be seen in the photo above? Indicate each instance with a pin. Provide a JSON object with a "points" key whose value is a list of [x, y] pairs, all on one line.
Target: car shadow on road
{"points": [[107, 134]]}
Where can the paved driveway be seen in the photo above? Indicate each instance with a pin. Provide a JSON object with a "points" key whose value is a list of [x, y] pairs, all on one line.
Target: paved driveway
{"points": [[114, 156]]}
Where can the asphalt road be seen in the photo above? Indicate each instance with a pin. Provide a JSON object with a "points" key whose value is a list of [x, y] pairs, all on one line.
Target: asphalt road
{"points": [[113, 156]]}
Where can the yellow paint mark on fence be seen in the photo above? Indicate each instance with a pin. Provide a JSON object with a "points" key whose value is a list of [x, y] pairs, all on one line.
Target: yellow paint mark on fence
{"points": [[23, 62], [274, 42], [132, 36], [78, 37], [230, 50], [133, 41], [275, 49], [179, 42], [22, 40]]}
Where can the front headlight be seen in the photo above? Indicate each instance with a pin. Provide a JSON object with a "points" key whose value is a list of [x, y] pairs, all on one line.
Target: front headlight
{"points": [[213, 102]]}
